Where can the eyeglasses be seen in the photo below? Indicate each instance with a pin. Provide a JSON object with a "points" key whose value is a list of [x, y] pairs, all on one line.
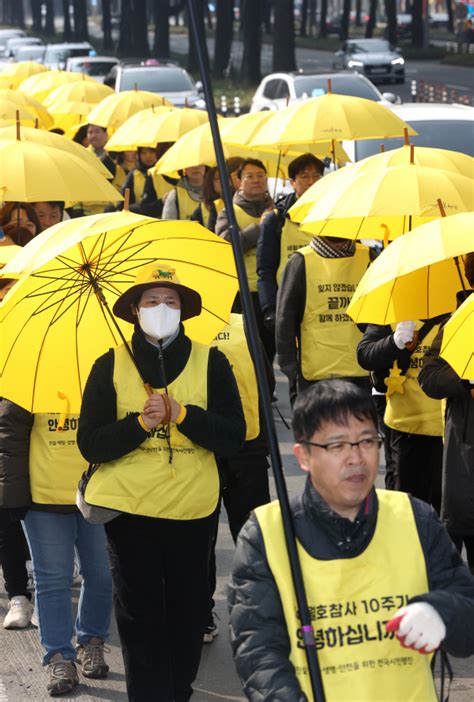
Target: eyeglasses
{"points": [[343, 448], [255, 176]]}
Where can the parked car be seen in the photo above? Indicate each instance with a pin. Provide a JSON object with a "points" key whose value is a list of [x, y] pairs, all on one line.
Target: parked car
{"points": [[440, 125], [375, 58], [97, 67], [6, 34], [278, 89], [56, 55], [29, 53], [15, 42], [170, 81]]}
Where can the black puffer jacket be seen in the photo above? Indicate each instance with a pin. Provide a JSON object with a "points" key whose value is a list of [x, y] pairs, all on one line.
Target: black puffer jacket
{"points": [[259, 635], [15, 428], [439, 381]]}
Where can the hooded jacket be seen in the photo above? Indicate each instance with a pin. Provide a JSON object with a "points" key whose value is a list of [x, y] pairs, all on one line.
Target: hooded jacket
{"points": [[254, 208], [259, 636]]}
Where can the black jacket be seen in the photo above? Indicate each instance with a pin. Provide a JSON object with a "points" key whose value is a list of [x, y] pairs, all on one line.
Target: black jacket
{"points": [[151, 205], [269, 252], [440, 381], [15, 429], [259, 635], [220, 428]]}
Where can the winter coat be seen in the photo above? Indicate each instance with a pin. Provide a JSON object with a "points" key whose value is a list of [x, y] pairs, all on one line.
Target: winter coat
{"points": [[439, 381], [254, 208], [259, 635], [15, 428], [269, 252]]}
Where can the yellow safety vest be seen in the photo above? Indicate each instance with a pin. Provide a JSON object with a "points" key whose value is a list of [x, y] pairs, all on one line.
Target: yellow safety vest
{"points": [[55, 462], [292, 239], [233, 343], [250, 256], [219, 204], [144, 482], [139, 179], [328, 336], [185, 203], [350, 600], [412, 411], [119, 177], [161, 185]]}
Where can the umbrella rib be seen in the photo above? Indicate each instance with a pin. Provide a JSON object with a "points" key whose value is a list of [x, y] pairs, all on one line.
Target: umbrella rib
{"points": [[214, 314]]}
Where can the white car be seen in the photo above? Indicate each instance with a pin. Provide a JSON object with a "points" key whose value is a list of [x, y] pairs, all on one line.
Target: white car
{"points": [[15, 42], [277, 90], [98, 67], [56, 55], [442, 126]]}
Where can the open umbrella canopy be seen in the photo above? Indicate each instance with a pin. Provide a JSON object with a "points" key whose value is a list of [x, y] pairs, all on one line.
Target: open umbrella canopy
{"points": [[154, 125], [47, 173], [83, 90], [54, 325], [193, 149], [11, 112], [57, 141], [115, 109], [421, 156], [7, 253], [69, 114], [363, 202], [458, 340], [330, 117], [416, 276], [32, 105], [39, 86], [16, 73]]}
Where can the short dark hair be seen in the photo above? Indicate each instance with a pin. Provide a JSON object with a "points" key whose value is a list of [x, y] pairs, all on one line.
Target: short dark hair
{"points": [[330, 401], [304, 161], [233, 164], [250, 162], [469, 268]]}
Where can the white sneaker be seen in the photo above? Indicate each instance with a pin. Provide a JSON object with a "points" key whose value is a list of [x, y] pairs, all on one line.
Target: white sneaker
{"points": [[19, 613], [34, 618]]}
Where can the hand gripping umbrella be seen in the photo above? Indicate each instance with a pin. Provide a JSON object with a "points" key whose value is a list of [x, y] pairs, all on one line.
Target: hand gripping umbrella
{"points": [[275, 457]]}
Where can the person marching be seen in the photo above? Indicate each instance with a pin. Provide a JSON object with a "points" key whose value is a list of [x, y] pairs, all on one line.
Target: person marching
{"points": [[379, 569], [280, 237], [252, 203], [157, 469], [156, 187], [395, 355], [315, 337], [135, 179], [182, 200]]}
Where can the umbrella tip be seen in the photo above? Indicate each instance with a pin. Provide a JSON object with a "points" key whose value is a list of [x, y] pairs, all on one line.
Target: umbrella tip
{"points": [[405, 134], [441, 207], [126, 203], [329, 86], [382, 148], [18, 125], [412, 154]]}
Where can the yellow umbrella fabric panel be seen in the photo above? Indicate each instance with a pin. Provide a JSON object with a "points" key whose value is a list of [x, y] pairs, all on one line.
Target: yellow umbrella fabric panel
{"points": [[114, 110], [32, 105], [39, 86], [83, 90], [416, 276], [54, 327], [458, 340]]}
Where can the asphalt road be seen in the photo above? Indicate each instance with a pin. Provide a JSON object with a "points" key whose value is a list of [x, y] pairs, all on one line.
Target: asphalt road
{"points": [[22, 677]]}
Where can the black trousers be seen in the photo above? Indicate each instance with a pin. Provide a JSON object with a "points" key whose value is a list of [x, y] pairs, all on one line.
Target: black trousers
{"points": [[161, 599], [417, 464], [244, 486], [13, 554], [266, 337], [468, 541]]}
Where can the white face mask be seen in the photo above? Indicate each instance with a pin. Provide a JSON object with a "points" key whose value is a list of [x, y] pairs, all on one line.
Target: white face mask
{"points": [[159, 321]]}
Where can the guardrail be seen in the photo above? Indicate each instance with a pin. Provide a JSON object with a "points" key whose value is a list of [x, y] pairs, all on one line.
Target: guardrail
{"points": [[425, 91]]}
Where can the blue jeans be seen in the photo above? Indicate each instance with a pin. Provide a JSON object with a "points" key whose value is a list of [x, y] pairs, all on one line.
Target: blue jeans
{"points": [[52, 538]]}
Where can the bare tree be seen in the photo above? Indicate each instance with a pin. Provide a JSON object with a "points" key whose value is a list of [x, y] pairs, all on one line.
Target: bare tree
{"points": [[251, 18], [417, 23], [284, 36], [449, 7], [223, 42], [81, 30], [323, 29], [106, 24], [67, 29], [36, 15], [193, 64], [391, 12], [133, 37], [304, 18], [49, 19], [346, 11], [369, 27], [358, 20]]}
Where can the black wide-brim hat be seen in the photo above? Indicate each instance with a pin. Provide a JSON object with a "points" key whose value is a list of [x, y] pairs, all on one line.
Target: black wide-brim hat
{"points": [[156, 275]]}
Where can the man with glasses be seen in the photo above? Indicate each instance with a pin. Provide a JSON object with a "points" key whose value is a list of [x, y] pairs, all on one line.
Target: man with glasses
{"points": [[383, 580], [280, 237]]}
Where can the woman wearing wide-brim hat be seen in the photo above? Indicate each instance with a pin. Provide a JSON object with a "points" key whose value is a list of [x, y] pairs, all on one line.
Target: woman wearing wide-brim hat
{"points": [[157, 469]]}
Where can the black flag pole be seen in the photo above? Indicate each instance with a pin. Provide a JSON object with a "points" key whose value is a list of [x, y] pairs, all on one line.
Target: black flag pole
{"points": [[248, 310]]}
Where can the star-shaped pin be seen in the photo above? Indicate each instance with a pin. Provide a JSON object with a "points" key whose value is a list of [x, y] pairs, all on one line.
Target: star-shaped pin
{"points": [[395, 381]]}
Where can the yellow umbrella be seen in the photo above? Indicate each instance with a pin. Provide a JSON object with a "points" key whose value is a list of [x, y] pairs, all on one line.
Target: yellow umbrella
{"points": [[458, 340], [18, 72], [69, 114], [32, 105], [54, 325], [330, 117], [7, 253], [46, 173], [417, 276], [39, 86], [10, 112], [192, 149], [58, 141], [151, 126], [114, 110], [421, 156], [361, 202], [81, 91]]}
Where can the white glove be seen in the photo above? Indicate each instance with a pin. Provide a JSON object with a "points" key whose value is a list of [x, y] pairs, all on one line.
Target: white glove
{"points": [[419, 627], [404, 333]]}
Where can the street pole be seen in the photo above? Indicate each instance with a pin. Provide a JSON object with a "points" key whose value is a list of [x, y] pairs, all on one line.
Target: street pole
{"points": [[255, 349]]}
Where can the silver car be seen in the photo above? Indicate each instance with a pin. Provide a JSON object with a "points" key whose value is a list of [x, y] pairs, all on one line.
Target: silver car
{"points": [[172, 82], [374, 58]]}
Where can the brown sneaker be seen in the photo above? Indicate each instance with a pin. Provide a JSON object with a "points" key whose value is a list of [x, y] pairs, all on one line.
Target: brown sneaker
{"points": [[90, 657], [62, 675]]}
